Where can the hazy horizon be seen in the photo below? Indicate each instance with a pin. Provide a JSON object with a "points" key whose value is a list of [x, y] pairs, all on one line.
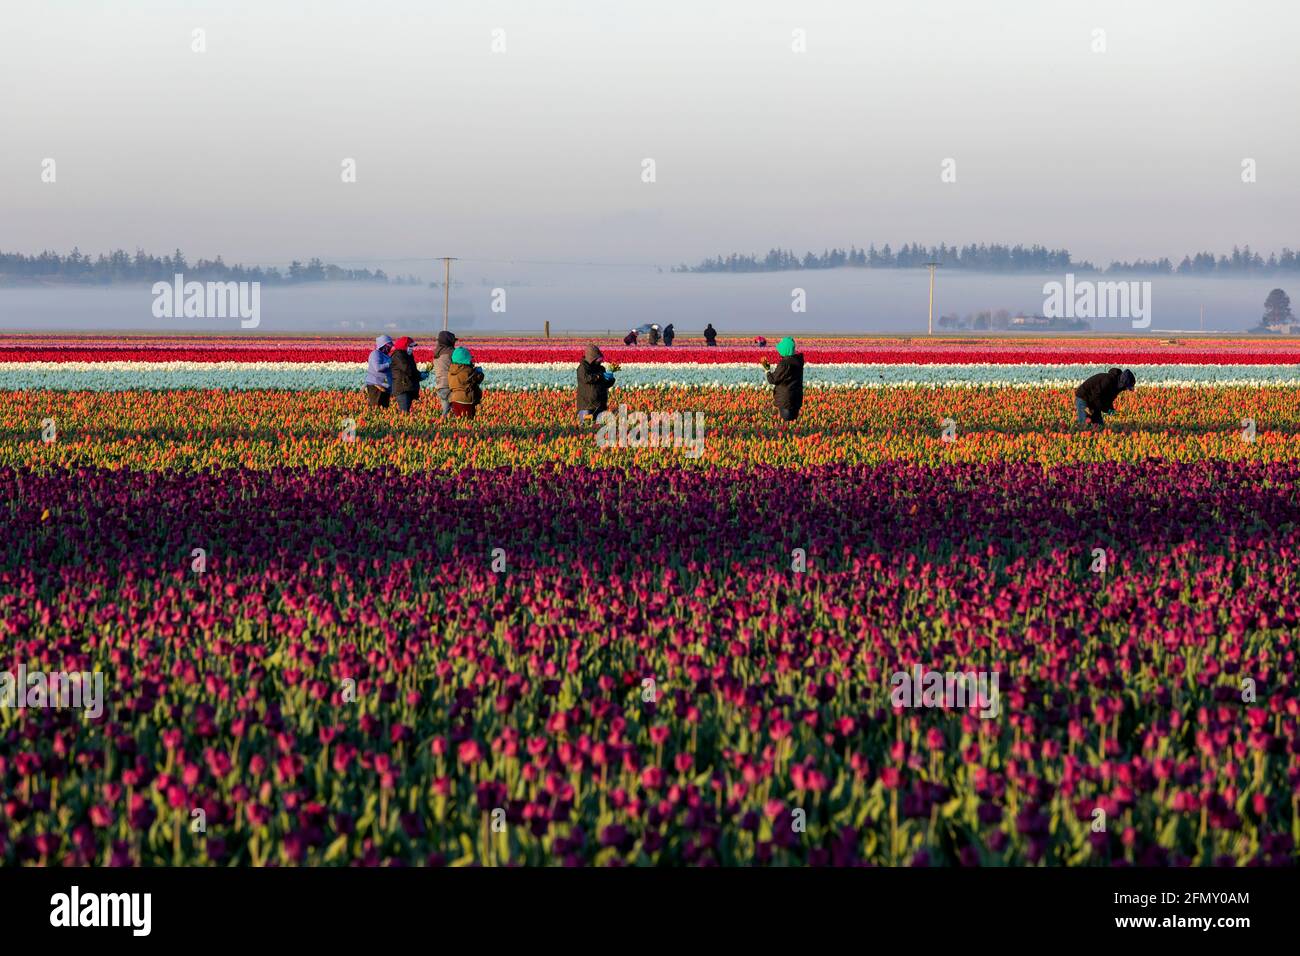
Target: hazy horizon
{"points": [[535, 153], [586, 299]]}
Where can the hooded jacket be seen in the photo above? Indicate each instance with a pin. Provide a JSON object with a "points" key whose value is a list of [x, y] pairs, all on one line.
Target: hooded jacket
{"points": [[787, 377], [593, 386], [464, 382], [379, 367], [1100, 391], [669, 334], [710, 334], [442, 358], [406, 377]]}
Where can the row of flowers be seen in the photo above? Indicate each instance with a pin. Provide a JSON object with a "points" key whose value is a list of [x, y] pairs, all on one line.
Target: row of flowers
{"points": [[254, 340], [513, 376], [491, 351], [651, 675], [934, 425]]}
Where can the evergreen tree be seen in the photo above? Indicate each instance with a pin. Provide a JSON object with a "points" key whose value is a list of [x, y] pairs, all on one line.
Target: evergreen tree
{"points": [[1277, 310]]}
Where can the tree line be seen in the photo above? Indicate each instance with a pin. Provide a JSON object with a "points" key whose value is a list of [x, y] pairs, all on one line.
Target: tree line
{"points": [[121, 266], [992, 258], [995, 257]]}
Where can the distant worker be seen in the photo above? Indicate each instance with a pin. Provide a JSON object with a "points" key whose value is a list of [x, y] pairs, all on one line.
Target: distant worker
{"points": [[379, 373], [760, 341], [406, 376], [630, 338], [710, 336], [787, 379], [466, 380], [442, 365], [1096, 397], [654, 335], [669, 334], [594, 383]]}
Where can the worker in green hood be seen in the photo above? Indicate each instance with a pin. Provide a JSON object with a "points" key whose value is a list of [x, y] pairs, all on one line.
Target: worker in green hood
{"points": [[786, 379]]}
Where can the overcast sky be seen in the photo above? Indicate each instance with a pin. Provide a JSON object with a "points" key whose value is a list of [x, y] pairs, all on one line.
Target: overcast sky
{"points": [[536, 152]]}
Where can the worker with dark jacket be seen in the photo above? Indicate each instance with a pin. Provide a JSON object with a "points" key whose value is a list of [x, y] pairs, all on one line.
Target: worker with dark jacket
{"points": [[406, 376], [669, 334], [630, 338], [1096, 396], [710, 336], [594, 383], [787, 379]]}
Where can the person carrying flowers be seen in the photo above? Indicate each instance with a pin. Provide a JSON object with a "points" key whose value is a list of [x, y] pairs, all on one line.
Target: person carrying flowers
{"points": [[379, 373], [1096, 396], [594, 383], [465, 380], [786, 379], [406, 376]]}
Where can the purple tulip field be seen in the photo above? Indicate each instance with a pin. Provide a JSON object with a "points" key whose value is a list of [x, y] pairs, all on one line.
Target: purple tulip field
{"points": [[965, 664]]}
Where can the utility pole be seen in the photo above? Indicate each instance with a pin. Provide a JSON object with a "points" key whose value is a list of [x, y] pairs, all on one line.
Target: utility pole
{"points": [[446, 289], [933, 266]]}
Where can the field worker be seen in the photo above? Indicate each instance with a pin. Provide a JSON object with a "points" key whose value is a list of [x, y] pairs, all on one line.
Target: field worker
{"points": [[654, 335], [406, 377], [466, 381], [669, 334], [630, 338], [1096, 397], [594, 383], [787, 379], [379, 374], [710, 336], [441, 366]]}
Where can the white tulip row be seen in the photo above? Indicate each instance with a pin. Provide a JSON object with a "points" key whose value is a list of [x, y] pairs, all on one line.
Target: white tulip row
{"points": [[134, 376]]}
